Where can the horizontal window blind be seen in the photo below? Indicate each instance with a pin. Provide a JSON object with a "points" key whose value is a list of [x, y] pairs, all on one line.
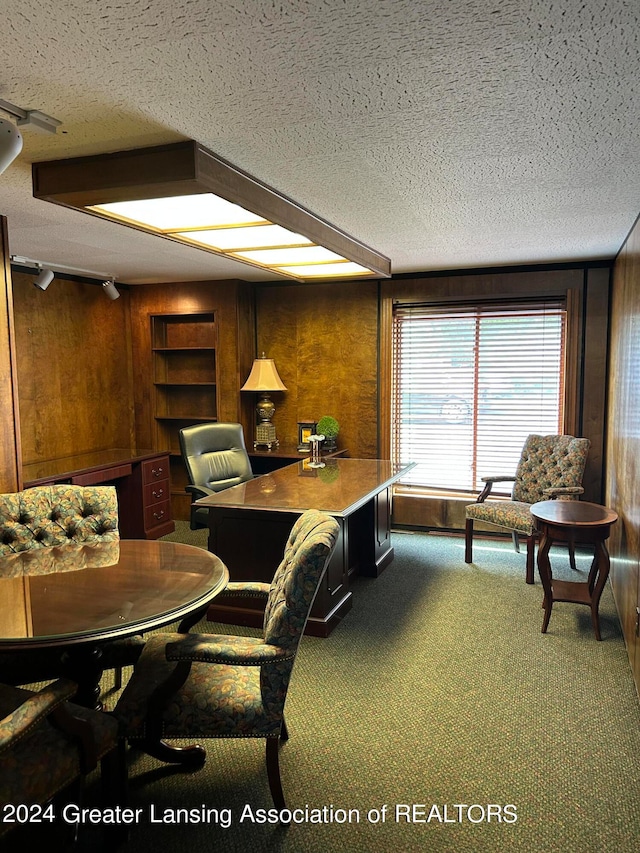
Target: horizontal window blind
{"points": [[470, 383]]}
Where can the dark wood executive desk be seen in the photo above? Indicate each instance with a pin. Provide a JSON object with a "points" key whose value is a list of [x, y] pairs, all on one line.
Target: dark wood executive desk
{"points": [[76, 597], [141, 478], [249, 525]]}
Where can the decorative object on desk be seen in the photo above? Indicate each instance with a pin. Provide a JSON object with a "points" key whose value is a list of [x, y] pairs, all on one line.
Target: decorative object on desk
{"points": [[305, 430], [329, 427], [265, 380], [315, 441]]}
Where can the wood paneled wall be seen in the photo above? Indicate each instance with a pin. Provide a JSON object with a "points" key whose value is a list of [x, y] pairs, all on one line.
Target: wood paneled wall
{"points": [[10, 480], [623, 442], [324, 340], [74, 369]]}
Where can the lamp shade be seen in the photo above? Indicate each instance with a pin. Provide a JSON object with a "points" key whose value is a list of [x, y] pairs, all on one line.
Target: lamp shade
{"points": [[264, 377], [10, 143]]}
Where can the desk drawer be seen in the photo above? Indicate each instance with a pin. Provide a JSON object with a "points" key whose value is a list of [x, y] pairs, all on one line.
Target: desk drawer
{"points": [[104, 475], [155, 469], [156, 514], [156, 492]]}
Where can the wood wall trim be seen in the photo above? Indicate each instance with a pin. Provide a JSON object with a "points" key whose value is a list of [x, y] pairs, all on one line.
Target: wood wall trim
{"points": [[623, 443], [10, 447]]}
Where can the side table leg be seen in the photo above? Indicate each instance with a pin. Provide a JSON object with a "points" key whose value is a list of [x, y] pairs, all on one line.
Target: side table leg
{"points": [[544, 570], [602, 565]]}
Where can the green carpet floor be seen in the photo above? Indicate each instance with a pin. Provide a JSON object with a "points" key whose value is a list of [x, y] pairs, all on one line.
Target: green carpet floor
{"points": [[436, 699]]}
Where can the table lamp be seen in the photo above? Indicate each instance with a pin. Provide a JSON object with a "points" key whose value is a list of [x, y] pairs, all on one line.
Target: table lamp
{"points": [[265, 380]]}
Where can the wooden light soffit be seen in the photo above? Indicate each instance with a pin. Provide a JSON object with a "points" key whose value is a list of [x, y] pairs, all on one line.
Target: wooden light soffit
{"points": [[187, 168]]}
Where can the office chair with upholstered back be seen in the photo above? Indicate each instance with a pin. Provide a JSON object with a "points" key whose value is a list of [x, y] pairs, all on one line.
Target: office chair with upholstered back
{"points": [[213, 686], [216, 458], [550, 466]]}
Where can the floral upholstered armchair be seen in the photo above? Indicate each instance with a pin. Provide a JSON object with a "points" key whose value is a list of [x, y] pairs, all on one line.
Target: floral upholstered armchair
{"points": [[48, 743], [550, 466], [65, 517], [212, 686]]}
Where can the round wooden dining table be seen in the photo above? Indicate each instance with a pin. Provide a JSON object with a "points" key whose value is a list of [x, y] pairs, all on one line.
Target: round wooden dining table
{"points": [[75, 598]]}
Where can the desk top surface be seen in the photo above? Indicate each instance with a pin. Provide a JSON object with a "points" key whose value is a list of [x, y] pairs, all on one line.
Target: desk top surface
{"points": [[78, 593], [93, 461], [573, 513], [339, 487]]}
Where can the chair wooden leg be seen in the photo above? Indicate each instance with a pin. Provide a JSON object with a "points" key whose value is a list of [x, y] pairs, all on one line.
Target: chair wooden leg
{"points": [[531, 550], [117, 678], [468, 541], [284, 734], [516, 541], [273, 772], [193, 755]]}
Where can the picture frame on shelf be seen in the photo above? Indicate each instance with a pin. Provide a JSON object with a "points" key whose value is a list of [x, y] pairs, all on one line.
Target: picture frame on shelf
{"points": [[305, 430]]}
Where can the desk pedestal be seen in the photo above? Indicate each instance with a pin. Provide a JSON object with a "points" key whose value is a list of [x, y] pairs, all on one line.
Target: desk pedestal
{"points": [[251, 544]]}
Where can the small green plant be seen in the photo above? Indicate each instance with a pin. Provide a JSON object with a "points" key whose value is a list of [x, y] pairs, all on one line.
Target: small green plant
{"points": [[328, 426]]}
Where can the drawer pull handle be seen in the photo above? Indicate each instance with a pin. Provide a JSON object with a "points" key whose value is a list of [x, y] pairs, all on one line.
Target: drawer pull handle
{"points": [[158, 494], [159, 515], [157, 472]]}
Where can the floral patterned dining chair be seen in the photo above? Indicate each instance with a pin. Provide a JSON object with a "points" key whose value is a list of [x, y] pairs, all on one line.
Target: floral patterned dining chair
{"points": [[66, 517], [550, 466], [47, 744], [219, 686]]}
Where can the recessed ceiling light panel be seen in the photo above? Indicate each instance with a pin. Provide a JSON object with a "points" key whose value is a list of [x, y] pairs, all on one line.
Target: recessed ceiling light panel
{"points": [[184, 192]]}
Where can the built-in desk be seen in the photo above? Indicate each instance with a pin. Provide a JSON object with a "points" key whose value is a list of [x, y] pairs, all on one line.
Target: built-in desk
{"points": [[141, 478]]}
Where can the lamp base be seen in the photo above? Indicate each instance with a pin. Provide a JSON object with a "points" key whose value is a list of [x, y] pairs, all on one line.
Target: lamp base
{"points": [[265, 436]]}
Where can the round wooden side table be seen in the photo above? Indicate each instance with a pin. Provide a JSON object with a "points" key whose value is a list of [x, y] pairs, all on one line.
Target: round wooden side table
{"points": [[579, 522]]}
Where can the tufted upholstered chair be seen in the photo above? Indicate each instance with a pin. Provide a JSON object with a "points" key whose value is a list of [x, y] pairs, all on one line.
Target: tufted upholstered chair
{"points": [[216, 458], [48, 743], [550, 466], [60, 515], [211, 686]]}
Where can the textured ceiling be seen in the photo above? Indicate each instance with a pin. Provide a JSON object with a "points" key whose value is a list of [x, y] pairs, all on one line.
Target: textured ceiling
{"points": [[444, 134]]}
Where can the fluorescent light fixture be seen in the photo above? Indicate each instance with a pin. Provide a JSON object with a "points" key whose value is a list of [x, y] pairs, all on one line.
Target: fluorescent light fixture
{"points": [[248, 237], [186, 193]]}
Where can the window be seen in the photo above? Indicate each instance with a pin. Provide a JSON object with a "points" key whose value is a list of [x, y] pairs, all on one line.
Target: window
{"points": [[469, 384]]}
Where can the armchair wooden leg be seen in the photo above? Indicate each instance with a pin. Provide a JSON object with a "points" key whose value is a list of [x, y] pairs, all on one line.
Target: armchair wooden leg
{"points": [[284, 734], [468, 541], [273, 772], [191, 756], [516, 541]]}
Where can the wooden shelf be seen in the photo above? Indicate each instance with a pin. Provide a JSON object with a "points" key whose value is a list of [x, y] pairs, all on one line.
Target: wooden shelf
{"points": [[183, 348]]}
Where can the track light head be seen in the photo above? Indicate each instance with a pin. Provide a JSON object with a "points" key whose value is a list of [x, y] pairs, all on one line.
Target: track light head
{"points": [[110, 289], [10, 143], [43, 279]]}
